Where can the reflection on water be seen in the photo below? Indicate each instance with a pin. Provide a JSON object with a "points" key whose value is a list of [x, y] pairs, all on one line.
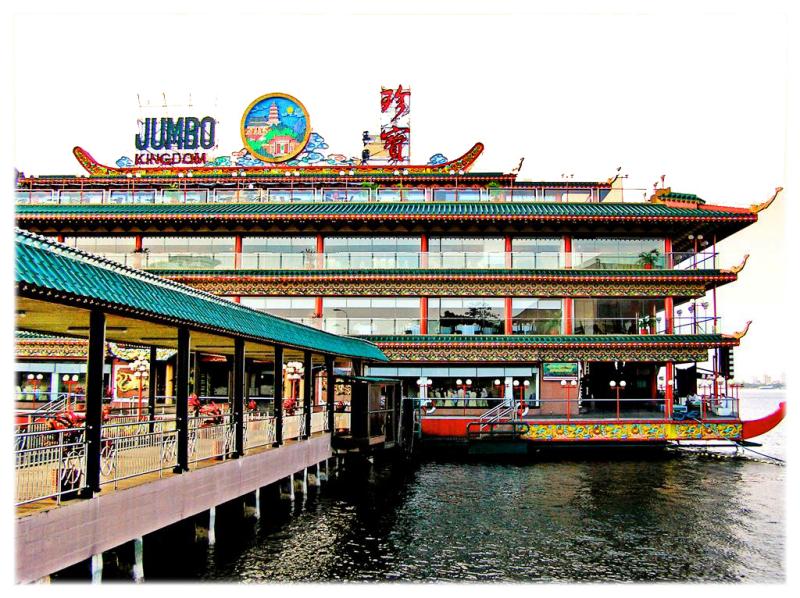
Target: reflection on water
{"points": [[597, 518]]}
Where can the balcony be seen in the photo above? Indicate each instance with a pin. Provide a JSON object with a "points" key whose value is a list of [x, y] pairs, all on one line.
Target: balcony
{"points": [[647, 325], [433, 261]]}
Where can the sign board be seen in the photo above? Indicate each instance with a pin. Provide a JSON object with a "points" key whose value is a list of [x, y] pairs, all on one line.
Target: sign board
{"points": [[559, 371], [275, 127], [396, 124]]}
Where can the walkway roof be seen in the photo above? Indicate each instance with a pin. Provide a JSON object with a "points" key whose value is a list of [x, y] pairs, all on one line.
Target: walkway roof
{"points": [[52, 272]]}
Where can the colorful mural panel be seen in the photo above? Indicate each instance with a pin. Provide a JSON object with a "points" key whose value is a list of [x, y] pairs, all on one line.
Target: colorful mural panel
{"points": [[275, 127], [645, 432]]}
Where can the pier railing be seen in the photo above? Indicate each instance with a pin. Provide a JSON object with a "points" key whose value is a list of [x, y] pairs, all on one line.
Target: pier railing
{"points": [[49, 464]]}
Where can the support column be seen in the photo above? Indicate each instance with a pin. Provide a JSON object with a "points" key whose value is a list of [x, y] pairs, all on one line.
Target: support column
{"points": [[669, 393], [237, 248], [669, 262], [423, 315], [151, 389], [97, 568], [238, 396], [212, 524], [94, 402], [509, 328], [423, 248], [669, 315], [358, 367], [320, 250], [182, 399], [138, 560], [330, 390], [277, 403], [567, 251], [569, 315], [509, 257], [308, 388]]}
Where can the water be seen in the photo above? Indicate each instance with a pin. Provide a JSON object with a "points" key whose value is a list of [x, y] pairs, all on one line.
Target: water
{"points": [[681, 517]]}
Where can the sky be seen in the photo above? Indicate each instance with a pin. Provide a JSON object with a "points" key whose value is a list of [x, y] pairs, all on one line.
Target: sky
{"points": [[697, 92]]}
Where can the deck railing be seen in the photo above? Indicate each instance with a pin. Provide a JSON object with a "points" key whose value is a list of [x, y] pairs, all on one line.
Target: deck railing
{"points": [[398, 260], [139, 193], [49, 464]]}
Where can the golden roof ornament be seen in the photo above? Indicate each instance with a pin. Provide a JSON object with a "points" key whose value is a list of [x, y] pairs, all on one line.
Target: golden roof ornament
{"points": [[756, 208]]}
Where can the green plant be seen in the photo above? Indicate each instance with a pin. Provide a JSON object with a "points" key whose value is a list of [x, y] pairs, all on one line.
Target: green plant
{"points": [[648, 259]]}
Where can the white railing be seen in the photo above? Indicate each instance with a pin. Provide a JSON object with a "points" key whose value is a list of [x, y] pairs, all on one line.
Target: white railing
{"points": [[49, 464], [259, 430], [136, 448], [292, 426], [210, 437]]}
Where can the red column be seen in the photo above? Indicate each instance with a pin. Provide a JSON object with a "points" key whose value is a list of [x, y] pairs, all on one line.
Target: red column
{"points": [[237, 299], [567, 251], [508, 326], [668, 314], [668, 394], [320, 248], [423, 247], [569, 316], [237, 248], [317, 307], [668, 252], [138, 242], [60, 238], [508, 249], [423, 315]]}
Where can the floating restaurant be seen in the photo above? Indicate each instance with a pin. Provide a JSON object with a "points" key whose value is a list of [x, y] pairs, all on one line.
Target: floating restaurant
{"points": [[496, 310]]}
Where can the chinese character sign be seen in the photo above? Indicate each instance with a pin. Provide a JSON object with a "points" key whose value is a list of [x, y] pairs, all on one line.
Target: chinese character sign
{"points": [[396, 124]]}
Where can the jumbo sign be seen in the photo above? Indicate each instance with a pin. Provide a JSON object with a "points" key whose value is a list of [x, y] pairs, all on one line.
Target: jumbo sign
{"points": [[176, 135]]}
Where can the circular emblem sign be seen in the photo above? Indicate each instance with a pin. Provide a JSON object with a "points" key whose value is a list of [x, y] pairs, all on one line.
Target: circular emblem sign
{"points": [[275, 127]]}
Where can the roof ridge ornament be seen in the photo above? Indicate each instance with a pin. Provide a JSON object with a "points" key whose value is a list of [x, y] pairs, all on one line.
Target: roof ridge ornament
{"points": [[740, 267], [741, 334], [759, 207]]}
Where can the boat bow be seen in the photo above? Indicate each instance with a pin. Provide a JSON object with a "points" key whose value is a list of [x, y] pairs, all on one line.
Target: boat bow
{"points": [[757, 427]]}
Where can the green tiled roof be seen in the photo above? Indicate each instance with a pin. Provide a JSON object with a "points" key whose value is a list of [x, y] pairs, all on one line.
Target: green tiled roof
{"points": [[45, 265], [645, 339], [426, 209]]}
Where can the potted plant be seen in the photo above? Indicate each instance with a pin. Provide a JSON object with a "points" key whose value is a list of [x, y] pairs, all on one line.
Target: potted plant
{"points": [[495, 192], [647, 259], [645, 323]]}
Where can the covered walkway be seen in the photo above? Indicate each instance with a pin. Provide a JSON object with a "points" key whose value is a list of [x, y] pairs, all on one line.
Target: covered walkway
{"points": [[67, 292]]}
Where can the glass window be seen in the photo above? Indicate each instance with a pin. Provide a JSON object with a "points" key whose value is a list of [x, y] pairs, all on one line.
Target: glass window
{"points": [[295, 308], [537, 253], [460, 194], [278, 253], [524, 195], [36, 197], [615, 254], [189, 244], [577, 195], [184, 196], [536, 316], [144, 196], [347, 194], [372, 252], [76, 197], [466, 316], [102, 245], [618, 316], [371, 315]]}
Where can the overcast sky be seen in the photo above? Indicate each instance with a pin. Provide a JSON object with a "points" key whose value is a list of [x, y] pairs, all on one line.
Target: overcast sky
{"points": [[697, 92]]}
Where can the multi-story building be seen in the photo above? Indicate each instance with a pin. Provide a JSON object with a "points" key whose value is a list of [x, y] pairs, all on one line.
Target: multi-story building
{"points": [[496, 299]]}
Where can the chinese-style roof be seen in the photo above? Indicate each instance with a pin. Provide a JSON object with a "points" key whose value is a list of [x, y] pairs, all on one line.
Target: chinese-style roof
{"points": [[54, 272], [544, 341]]}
